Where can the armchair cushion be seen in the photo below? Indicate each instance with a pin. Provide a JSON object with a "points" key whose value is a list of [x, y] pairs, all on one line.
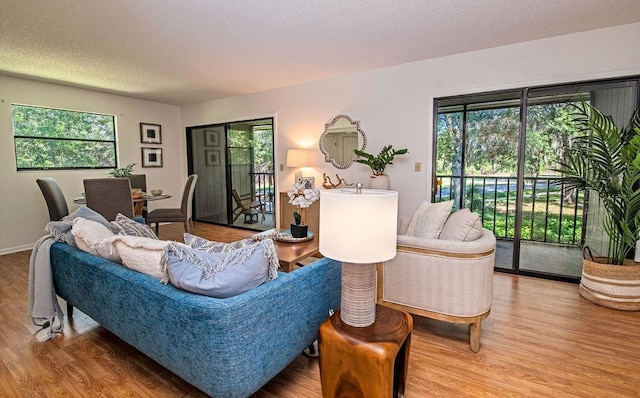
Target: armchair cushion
{"points": [[462, 226], [428, 220]]}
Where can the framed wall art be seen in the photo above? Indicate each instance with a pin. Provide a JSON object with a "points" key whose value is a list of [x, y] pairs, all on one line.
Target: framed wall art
{"points": [[150, 133], [309, 182], [211, 138], [212, 158], [151, 157]]}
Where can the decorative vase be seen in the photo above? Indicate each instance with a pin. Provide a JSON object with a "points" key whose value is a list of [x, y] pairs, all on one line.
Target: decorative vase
{"points": [[299, 231], [380, 182], [611, 286]]}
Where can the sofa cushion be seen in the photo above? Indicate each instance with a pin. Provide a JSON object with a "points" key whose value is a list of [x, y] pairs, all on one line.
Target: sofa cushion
{"points": [[211, 246], [61, 230], [88, 234], [123, 225], [428, 220], [221, 274], [141, 254], [462, 226]]}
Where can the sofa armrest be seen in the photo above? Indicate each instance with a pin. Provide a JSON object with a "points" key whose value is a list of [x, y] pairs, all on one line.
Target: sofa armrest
{"points": [[485, 243]]}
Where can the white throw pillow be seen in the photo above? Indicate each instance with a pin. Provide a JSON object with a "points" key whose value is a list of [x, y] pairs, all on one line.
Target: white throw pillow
{"points": [[428, 220], [88, 234], [462, 226], [140, 253]]}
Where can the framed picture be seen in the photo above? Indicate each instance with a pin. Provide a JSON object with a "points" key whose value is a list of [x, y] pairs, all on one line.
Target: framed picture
{"points": [[151, 157], [212, 158], [150, 133], [211, 138], [309, 182]]}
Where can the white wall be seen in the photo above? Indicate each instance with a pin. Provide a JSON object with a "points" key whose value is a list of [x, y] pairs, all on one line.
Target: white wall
{"points": [[23, 211], [394, 105]]}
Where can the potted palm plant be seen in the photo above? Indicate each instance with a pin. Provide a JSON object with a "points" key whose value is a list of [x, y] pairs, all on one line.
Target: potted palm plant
{"points": [[378, 163], [605, 159]]}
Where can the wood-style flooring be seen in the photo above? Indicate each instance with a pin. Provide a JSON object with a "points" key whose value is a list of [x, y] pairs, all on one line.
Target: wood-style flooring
{"points": [[541, 340]]}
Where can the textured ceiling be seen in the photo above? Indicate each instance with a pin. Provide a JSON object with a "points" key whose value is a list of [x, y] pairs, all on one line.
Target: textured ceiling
{"points": [[182, 52]]}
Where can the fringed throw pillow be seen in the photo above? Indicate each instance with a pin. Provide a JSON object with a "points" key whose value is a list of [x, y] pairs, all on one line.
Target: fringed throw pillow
{"points": [[221, 274]]}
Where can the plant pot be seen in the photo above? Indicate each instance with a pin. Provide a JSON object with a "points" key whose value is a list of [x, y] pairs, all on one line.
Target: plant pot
{"points": [[380, 182], [611, 286], [299, 231]]}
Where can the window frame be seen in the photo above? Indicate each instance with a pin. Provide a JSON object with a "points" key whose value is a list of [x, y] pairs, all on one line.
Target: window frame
{"points": [[17, 135]]}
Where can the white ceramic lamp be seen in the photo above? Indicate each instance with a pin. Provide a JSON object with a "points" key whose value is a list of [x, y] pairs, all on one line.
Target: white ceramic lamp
{"points": [[298, 158], [359, 228]]}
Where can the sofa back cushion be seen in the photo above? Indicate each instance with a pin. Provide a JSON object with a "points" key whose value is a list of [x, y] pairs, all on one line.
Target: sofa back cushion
{"points": [[221, 274], [462, 226]]}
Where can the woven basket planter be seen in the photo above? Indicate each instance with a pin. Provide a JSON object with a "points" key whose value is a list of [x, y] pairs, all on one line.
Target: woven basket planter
{"points": [[611, 286]]}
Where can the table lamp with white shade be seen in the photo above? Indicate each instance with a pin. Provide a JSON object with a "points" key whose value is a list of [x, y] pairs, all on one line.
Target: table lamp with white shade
{"points": [[359, 228], [298, 158]]}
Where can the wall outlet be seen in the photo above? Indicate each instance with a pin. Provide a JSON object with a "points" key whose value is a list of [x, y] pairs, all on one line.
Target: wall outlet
{"points": [[281, 167], [417, 167]]}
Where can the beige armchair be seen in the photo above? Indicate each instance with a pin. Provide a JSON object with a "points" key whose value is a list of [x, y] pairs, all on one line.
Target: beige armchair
{"points": [[446, 280]]}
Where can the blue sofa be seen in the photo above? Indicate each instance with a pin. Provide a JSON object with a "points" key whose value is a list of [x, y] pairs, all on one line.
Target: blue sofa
{"points": [[225, 347]]}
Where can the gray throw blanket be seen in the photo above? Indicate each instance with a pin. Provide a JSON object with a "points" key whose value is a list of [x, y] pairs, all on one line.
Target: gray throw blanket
{"points": [[43, 303]]}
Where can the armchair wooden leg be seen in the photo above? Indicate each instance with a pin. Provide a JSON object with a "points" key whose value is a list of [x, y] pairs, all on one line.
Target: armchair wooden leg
{"points": [[474, 335], [69, 311], [157, 228]]}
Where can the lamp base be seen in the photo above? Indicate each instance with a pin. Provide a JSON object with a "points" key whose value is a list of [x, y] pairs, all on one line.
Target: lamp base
{"points": [[358, 297]]}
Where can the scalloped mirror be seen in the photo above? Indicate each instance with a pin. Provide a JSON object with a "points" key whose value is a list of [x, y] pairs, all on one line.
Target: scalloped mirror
{"points": [[340, 137]]}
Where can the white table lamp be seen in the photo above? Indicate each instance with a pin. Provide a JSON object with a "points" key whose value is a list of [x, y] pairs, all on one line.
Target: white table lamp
{"points": [[298, 158], [359, 228]]}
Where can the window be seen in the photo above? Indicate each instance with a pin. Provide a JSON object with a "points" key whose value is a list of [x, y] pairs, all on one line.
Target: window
{"points": [[47, 138]]}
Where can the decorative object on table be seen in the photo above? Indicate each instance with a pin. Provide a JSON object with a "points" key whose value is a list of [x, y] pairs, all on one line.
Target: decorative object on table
{"points": [[302, 198], [341, 135], [156, 192], [150, 133], [605, 159], [328, 184], [286, 236], [123, 172], [151, 157], [359, 228], [378, 163], [298, 158]]}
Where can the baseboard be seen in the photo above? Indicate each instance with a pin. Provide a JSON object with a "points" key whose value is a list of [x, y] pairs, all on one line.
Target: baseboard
{"points": [[16, 249]]}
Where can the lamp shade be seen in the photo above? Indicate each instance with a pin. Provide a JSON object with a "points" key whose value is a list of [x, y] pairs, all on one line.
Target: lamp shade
{"points": [[358, 227], [298, 158]]}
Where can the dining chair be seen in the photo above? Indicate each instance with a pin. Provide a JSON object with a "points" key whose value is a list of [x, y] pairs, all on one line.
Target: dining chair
{"points": [[182, 214], [109, 196], [53, 195]]}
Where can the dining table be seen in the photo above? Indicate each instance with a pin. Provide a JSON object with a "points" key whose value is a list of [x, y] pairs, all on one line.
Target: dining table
{"points": [[138, 201]]}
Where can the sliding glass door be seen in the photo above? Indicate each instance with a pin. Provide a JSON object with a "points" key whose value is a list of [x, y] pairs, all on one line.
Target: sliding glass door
{"points": [[495, 153], [232, 157]]}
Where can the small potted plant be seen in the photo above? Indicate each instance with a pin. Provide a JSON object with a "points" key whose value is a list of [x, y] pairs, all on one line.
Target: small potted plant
{"points": [[123, 172], [378, 164], [302, 198]]}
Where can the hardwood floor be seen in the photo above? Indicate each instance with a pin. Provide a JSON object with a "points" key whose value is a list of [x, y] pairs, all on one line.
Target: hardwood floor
{"points": [[541, 340]]}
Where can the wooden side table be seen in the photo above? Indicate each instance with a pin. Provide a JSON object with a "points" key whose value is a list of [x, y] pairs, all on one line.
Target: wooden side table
{"points": [[365, 362]]}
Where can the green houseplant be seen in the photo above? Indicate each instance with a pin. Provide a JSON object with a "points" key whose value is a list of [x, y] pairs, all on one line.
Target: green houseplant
{"points": [[126, 171], [378, 163], [605, 159]]}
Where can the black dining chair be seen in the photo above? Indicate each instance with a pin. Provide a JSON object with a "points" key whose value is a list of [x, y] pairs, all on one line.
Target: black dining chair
{"points": [[183, 214], [109, 196], [53, 195]]}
